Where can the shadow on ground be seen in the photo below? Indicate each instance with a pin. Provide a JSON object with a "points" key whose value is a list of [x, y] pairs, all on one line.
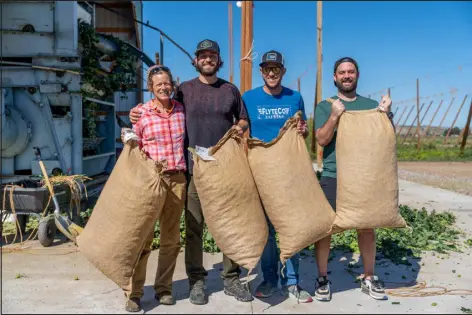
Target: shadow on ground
{"points": [[344, 267]]}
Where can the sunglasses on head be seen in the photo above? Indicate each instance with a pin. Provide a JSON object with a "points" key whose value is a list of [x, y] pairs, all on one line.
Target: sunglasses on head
{"points": [[159, 68], [275, 70]]}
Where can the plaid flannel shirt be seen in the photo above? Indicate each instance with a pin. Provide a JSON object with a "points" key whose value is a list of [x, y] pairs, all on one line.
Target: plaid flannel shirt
{"points": [[162, 134]]}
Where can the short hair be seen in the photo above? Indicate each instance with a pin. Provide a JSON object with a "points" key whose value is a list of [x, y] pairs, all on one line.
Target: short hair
{"points": [[158, 69]]}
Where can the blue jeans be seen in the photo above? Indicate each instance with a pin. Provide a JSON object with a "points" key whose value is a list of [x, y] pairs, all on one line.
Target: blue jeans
{"points": [[270, 262]]}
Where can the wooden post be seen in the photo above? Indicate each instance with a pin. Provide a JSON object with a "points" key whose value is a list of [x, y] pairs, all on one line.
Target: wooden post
{"points": [[158, 60], [429, 126], [401, 116], [466, 129], [425, 113], [444, 117], [230, 36], [418, 110], [298, 80], [315, 147], [413, 123], [455, 119], [406, 119], [242, 70], [249, 39], [246, 42]]}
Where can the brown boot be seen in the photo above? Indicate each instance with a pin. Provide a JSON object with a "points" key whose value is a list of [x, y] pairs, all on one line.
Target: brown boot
{"points": [[165, 298], [133, 305]]}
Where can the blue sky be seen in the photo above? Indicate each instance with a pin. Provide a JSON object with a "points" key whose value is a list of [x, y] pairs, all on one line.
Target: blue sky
{"points": [[393, 42]]}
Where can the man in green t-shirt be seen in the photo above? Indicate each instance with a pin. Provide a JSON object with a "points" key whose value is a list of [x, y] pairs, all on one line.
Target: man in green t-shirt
{"points": [[346, 75]]}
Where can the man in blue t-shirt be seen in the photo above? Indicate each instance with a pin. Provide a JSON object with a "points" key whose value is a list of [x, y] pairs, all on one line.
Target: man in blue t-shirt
{"points": [[268, 108]]}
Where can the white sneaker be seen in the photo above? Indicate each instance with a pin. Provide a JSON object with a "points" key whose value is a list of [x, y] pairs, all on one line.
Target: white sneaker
{"points": [[374, 287]]}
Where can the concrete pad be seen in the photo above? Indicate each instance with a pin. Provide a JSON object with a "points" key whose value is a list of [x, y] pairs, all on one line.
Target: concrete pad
{"points": [[60, 280], [432, 198]]}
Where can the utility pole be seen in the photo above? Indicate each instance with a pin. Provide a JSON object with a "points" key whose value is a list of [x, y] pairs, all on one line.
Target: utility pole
{"points": [[299, 88], [418, 115], [315, 147], [230, 36], [246, 43], [246, 51]]}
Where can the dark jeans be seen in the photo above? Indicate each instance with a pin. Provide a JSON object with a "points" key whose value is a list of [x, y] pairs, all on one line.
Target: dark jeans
{"points": [[194, 223], [329, 186], [270, 262]]}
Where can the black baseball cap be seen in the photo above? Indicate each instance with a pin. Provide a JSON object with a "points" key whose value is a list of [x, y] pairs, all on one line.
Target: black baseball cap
{"points": [[345, 59], [272, 56], [207, 44]]}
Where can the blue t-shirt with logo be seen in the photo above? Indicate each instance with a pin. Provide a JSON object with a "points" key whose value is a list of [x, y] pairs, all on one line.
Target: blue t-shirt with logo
{"points": [[268, 113]]}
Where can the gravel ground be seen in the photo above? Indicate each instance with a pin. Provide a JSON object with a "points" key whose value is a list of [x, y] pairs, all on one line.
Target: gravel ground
{"points": [[454, 176]]}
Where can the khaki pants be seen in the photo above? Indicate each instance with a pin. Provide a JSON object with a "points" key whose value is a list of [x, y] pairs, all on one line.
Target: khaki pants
{"points": [[169, 249]]}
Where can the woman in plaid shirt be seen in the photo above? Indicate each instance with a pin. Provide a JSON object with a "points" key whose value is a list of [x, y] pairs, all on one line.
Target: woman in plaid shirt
{"points": [[161, 130]]}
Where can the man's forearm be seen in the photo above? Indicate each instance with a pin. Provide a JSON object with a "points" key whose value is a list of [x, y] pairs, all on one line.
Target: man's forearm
{"points": [[325, 134]]}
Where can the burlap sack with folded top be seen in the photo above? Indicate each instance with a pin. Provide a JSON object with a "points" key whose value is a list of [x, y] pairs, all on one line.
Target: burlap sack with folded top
{"points": [[289, 189], [124, 216], [230, 201]]}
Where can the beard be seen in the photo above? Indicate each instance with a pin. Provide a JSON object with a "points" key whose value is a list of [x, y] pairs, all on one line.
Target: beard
{"points": [[271, 85], [346, 89], [208, 72]]}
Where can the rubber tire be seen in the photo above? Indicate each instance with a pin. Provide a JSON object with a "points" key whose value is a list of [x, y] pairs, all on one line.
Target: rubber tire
{"points": [[46, 232]]}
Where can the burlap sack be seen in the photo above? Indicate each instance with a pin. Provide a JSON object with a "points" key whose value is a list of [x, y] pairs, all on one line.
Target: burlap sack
{"points": [[367, 178], [230, 202], [289, 190], [124, 215]]}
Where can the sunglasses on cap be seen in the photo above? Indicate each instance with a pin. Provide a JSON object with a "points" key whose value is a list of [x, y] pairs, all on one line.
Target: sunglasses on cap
{"points": [[156, 69], [275, 70]]}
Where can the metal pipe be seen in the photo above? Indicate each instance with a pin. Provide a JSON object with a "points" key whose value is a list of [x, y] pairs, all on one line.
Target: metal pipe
{"points": [[162, 50], [77, 141]]}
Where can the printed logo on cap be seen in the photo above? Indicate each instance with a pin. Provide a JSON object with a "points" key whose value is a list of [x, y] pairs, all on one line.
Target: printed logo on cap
{"points": [[272, 56], [206, 44]]}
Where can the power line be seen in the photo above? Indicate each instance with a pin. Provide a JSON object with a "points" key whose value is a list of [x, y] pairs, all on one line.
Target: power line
{"points": [[426, 76], [145, 24]]}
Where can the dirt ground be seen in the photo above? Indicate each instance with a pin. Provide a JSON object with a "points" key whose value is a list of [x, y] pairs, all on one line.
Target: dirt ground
{"points": [[59, 278], [454, 176]]}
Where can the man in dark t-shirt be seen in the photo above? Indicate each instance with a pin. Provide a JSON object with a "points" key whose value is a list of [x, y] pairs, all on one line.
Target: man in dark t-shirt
{"points": [[212, 107]]}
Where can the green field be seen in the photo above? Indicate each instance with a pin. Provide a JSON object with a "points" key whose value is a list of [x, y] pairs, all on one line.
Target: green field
{"points": [[430, 149]]}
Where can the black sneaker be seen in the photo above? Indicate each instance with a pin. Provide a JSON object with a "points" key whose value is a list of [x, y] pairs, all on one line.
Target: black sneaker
{"points": [[197, 293], [265, 289], [237, 290], [323, 289], [374, 287]]}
